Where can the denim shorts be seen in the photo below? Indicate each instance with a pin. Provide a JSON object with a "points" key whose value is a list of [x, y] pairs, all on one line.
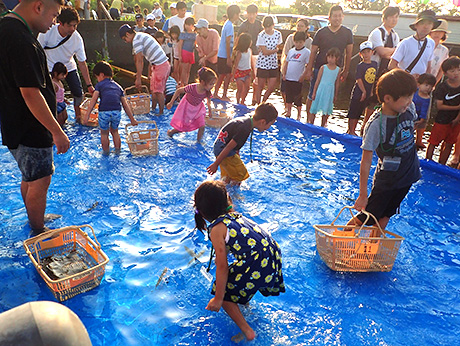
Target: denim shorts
{"points": [[34, 163], [109, 119]]}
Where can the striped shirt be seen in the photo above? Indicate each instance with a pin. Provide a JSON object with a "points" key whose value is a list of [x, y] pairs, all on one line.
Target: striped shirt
{"points": [[150, 48], [171, 86]]}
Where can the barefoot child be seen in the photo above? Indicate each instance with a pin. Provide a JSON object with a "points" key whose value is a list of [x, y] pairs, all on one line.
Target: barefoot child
{"points": [[422, 102], [112, 98], [187, 49], [293, 73], [390, 133], [174, 33], [190, 113], [362, 91], [231, 139], [59, 73], [243, 67], [326, 87], [257, 265]]}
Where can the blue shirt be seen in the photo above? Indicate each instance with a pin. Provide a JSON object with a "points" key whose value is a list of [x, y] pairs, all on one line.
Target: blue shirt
{"points": [[421, 105], [189, 40], [227, 30], [110, 94], [166, 26], [366, 72]]}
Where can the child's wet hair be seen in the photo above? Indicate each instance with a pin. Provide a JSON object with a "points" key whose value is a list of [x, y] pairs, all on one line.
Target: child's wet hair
{"points": [[450, 63], [396, 83], [244, 42], [265, 111], [205, 74], [59, 68], [427, 78], [211, 201], [334, 51], [104, 68], [174, 30]]}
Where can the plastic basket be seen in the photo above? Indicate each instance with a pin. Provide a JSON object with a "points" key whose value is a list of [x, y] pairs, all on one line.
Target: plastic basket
{"points": [[219, 118], [92, 121], [139, 102], [357, 248], [61, 242], [142, 141]]}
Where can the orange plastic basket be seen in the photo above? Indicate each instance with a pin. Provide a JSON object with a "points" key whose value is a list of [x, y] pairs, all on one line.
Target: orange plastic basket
{"points": [[139, 102], [142, 141], [219, 118], [61, 242], [357, 248], [93, 117]]}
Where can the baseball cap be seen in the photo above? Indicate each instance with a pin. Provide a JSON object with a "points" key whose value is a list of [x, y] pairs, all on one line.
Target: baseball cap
{"points": [[139, 16], [123, 30], [150, 17], [202, 23], [173, 5], [365, 45]]}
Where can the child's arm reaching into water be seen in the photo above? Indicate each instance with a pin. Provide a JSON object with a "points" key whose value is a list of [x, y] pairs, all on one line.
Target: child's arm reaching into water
{"points": [[128, 111], [179, 91], [223, 154], [92, 103], [364, 169], [218, 233]]}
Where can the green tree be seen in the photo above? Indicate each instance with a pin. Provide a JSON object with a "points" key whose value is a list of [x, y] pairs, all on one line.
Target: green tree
{"points": [[312, 7], [367, 5], [418, 6]]}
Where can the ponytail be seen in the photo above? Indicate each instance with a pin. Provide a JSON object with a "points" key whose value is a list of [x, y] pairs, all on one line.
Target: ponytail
{"points": [[206, 75]]}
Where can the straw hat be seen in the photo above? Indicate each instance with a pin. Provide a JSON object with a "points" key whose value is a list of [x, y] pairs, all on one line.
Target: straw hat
{"points": [[426, 15], [442, 27]]}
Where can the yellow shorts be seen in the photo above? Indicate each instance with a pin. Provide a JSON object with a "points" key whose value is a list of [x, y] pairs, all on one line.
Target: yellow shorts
{"points": [[233, 168]]}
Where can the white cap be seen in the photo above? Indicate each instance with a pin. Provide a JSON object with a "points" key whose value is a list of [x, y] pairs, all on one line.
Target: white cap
{"points": [[150, 16], [173, 5], [202, 23], [365, 45]]}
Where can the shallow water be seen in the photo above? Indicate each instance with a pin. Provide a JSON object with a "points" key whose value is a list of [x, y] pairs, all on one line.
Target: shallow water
{"points": [[141, 210]]}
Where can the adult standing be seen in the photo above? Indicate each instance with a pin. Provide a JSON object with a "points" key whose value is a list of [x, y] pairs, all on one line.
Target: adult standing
{"points": [[253, 27], [83, 8], [144, 45], [61, 43], [384, 40], [207, 43], [116, 9], [28, 103], [414, 53], [334, 35], [441, 52], [157, 12]]}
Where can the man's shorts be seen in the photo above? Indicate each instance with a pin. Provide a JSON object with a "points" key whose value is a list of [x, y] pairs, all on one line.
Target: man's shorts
{"points": [[313, 82], [160, 74], [444, 132], [233, 168], [61, 106], [188, 57], [293, 92], [222, 67], [34, 163], [109, 119], [356, 108], [384, 203], [272, 73]]}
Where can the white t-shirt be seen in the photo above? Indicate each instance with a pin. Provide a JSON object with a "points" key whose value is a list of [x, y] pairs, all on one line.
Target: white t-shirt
{"points": [[245, 60], [175, 20], [440, 54], [268, 62], [65, 52], [408, 49], [158, 13], [376, 38], [296, 60]]}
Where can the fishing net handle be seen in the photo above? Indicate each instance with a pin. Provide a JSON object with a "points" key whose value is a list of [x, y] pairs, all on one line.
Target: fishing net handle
{"points": [[353, 216], [143, 88], [51, 233]]}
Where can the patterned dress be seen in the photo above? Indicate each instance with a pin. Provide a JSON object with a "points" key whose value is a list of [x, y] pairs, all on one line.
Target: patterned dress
{"points": [[257, 264]]}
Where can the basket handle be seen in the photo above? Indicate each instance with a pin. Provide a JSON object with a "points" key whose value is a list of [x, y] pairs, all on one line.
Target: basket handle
{"points": [[141, 122], [143, 88], [366, 213]]}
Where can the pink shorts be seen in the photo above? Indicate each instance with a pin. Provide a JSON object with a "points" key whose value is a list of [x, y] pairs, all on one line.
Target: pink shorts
{"points": [[159, 76], [188, 57], [444, 132]]}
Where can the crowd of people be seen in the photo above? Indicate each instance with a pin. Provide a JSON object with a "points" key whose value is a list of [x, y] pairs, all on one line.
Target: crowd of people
{"points": [[398, 76]]}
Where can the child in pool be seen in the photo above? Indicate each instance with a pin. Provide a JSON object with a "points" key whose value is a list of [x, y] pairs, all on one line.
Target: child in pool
{"points": [[59, 73], [258, 256], [326, 87], [190, 113], [112, 98], [231, 139]]}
